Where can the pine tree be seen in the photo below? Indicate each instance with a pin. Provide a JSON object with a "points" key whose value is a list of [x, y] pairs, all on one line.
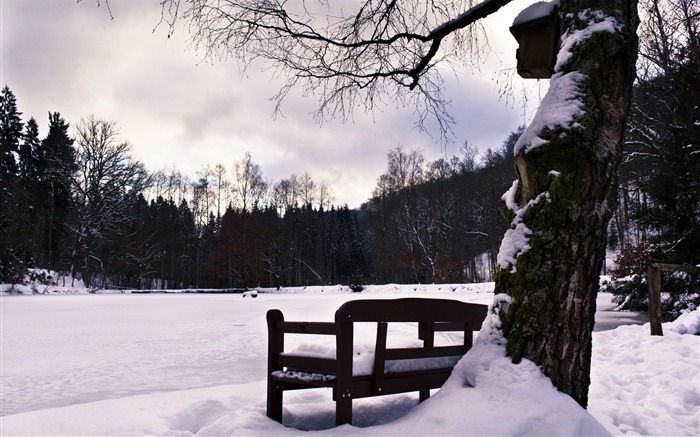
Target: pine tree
{"points": [[30, 154], [11, 258], [55, 169], [10, 136], [30, 157]]}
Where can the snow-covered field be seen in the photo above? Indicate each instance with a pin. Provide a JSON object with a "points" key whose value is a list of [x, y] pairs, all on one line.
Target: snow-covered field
{"points": [[183, 364]]}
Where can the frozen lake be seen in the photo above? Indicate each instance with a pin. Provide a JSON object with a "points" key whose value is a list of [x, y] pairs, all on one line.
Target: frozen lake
{"points": [[72, 349]]}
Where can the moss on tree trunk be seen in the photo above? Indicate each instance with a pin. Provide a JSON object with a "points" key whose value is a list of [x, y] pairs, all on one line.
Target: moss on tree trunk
{"points": [[565, 197]]}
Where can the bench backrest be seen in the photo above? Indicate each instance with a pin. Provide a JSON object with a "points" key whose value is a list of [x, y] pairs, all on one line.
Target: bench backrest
{"points": [[411, 310], [432, 315]]}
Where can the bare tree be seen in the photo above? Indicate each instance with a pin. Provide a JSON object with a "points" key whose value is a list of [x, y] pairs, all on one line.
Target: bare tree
{"points": [[405, 169], [308, 189], [158, 184], [222, 187], [285, 193], [669, 36], [441, 169], [249, 185], [325, 196], [202, 195], [176, 185], [469, 153], [106, 181]]}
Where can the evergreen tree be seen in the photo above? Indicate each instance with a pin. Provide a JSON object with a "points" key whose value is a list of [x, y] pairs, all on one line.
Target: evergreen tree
{"points": [[10, 136], [30, 154], [32, 217], [57, 162], [164, 217], [11, 256], [186, 247], [672, 212], [135, 254]]}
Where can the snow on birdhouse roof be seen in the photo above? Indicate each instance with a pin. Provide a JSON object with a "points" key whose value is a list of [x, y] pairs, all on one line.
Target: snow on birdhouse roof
{"points": [[535, 11]]}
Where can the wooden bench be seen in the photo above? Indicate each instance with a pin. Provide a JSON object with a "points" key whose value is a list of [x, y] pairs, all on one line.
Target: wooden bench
{"points": [[419, 368]]}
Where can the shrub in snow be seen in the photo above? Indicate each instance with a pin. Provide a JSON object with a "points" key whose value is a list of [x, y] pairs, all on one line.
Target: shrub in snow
{"points": [[14, 275], [39, 280], [357, 288], [632, 259], [356, 281], [630, 293], [680, 293], [628, 278]]}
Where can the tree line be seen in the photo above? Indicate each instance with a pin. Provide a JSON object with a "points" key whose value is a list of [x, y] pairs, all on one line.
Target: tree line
{"points": [[439, 221], [78, 202]]}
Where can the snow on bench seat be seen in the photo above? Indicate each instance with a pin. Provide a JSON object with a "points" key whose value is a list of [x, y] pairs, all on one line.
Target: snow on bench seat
{"points": [[363, 361]]}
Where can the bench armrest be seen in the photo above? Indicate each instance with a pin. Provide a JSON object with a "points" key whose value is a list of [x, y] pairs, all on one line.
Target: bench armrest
{"points": [[277, 327]]}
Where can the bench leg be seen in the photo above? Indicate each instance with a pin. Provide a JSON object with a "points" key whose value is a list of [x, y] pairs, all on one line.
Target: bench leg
{"points": [[274, 402], [424, 394], [343, 411]]}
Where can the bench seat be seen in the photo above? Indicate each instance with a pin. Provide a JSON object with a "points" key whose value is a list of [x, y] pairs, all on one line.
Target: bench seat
{"points": [[360, 367]]}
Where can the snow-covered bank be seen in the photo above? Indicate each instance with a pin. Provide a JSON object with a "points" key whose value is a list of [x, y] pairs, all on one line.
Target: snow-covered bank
{"points": [[33, 288], [194, 364]]}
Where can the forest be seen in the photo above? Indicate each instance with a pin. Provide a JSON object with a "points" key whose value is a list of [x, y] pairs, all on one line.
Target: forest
{"points": [[80, 203], [76, 200]]}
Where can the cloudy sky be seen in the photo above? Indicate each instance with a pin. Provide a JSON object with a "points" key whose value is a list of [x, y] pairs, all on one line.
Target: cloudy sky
{"points": [[177, 109]]}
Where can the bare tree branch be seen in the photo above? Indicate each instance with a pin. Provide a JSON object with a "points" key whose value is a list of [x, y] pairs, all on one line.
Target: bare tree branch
{"points": [[346, 54], [109, 8]]}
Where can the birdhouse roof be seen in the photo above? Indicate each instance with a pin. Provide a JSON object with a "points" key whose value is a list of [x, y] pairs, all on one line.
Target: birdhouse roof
{"points": [[535, 12]]}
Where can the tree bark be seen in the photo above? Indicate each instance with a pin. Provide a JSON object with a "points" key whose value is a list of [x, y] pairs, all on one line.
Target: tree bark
{"points": [[551, 258]]}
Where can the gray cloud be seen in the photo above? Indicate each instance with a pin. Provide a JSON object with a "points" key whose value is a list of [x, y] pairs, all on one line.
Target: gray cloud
{"points": [[177, 109]]}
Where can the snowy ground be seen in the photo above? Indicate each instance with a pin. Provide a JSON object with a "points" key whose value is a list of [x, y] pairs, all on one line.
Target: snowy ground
{"points": [[183, 364]]}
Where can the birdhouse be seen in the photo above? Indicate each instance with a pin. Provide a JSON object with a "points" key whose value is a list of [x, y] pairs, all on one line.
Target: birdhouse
{"points": [[536, 29]]}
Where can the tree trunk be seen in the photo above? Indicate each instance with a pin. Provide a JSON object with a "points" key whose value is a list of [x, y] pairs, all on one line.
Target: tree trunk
{"points": [[566, 163]]}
